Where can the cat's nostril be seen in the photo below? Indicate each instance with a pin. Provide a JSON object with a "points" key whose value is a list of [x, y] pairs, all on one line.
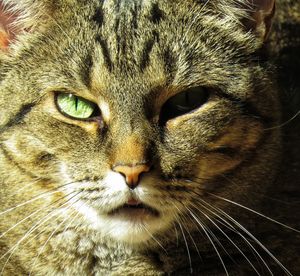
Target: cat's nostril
{"points": [[131, 173]]}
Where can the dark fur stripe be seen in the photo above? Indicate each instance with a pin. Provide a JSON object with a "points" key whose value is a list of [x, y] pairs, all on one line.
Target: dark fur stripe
{"points": [[170, 64], [15, 163], [134, 12], [86, 70], [156, 14], [105, 52], [18, 118], [147, 51], [98, 17]]}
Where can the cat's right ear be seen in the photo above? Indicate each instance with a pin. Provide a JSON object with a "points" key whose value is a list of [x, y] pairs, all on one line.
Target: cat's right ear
{"points": [[21, 16]]}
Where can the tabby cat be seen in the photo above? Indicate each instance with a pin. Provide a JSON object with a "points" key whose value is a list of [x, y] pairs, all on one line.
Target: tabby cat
{"points": [[138, 138]]}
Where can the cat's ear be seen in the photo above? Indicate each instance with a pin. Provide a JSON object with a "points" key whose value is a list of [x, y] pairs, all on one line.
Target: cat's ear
{"points": [[8, 29], [18, 16], [259, 16]]}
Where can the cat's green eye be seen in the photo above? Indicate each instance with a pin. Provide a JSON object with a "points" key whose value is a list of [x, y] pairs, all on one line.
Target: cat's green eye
{"points": [[75, 107], [184, 102]]}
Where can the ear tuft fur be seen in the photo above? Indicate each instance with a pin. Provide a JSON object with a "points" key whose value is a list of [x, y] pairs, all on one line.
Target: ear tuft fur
{"points": [[18, 16], [260, 15], [8, 29]]}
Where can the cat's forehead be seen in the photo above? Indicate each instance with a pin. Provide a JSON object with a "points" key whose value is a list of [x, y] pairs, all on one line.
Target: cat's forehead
{"points": [[128, 35], [132, 37], [122, 49], [135, 44], [142, 45]]}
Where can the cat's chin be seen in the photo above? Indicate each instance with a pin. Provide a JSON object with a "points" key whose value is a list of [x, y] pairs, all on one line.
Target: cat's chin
{"points": [[127, 224]]}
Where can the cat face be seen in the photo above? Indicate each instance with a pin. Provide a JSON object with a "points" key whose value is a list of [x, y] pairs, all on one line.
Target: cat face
{"points": [[135, 111]]}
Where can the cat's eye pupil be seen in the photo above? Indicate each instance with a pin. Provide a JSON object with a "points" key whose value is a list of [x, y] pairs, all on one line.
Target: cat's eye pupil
{"points": [[76, 103], [183, 102]]}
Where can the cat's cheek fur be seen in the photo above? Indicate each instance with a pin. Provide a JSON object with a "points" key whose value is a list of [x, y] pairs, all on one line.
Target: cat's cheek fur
{"points": [[31, 155]]}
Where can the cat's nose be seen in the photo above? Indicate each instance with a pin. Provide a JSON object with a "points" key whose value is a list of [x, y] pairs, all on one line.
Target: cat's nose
{"points": [[132, 173]]}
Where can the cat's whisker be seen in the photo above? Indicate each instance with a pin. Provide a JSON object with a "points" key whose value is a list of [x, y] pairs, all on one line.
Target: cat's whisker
{"points": [[27, 202], [49, 238], [136, 96], [72, 220], [37, 197], [53, 208], [200, 223], [261, 261], [68, 225], [285, 123], [255, 212], [191, 237], [239, 185], [250, 210], [26, 218], [34, 227], [213, 236], [218, 212], [176, 233], [24, 187], [20, 222], [228, 238], [11, 251], [187, 247], [256, 241], [184, 238], [261, 245], [83, 202], [253, 249], [257, 194], [45, 227], [155, 239], [29, 216]]}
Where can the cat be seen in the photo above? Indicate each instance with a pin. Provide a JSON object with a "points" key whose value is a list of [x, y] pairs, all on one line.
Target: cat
{"points": [[139, 138]]}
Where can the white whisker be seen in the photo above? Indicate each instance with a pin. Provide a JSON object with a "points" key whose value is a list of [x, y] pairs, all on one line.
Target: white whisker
{"points": [[232, 228], [156, 240], [257, 241], [211, 241], [49, 238], [231, 241], [39, 196], [28, 202], [32, 229], [255, 212], [185, 240]]}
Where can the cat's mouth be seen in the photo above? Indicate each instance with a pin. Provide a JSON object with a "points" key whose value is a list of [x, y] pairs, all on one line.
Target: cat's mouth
{"points": [[134, 210]]}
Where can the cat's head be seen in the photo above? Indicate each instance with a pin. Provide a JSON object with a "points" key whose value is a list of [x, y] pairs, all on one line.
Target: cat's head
{"points": [[137, 111]]}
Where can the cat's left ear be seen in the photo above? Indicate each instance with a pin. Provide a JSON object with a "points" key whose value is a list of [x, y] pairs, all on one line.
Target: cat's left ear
{"points": [[260, 15]]}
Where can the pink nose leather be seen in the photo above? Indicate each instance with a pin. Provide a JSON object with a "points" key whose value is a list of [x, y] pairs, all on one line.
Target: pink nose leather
{"points": [[131, 173]]}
